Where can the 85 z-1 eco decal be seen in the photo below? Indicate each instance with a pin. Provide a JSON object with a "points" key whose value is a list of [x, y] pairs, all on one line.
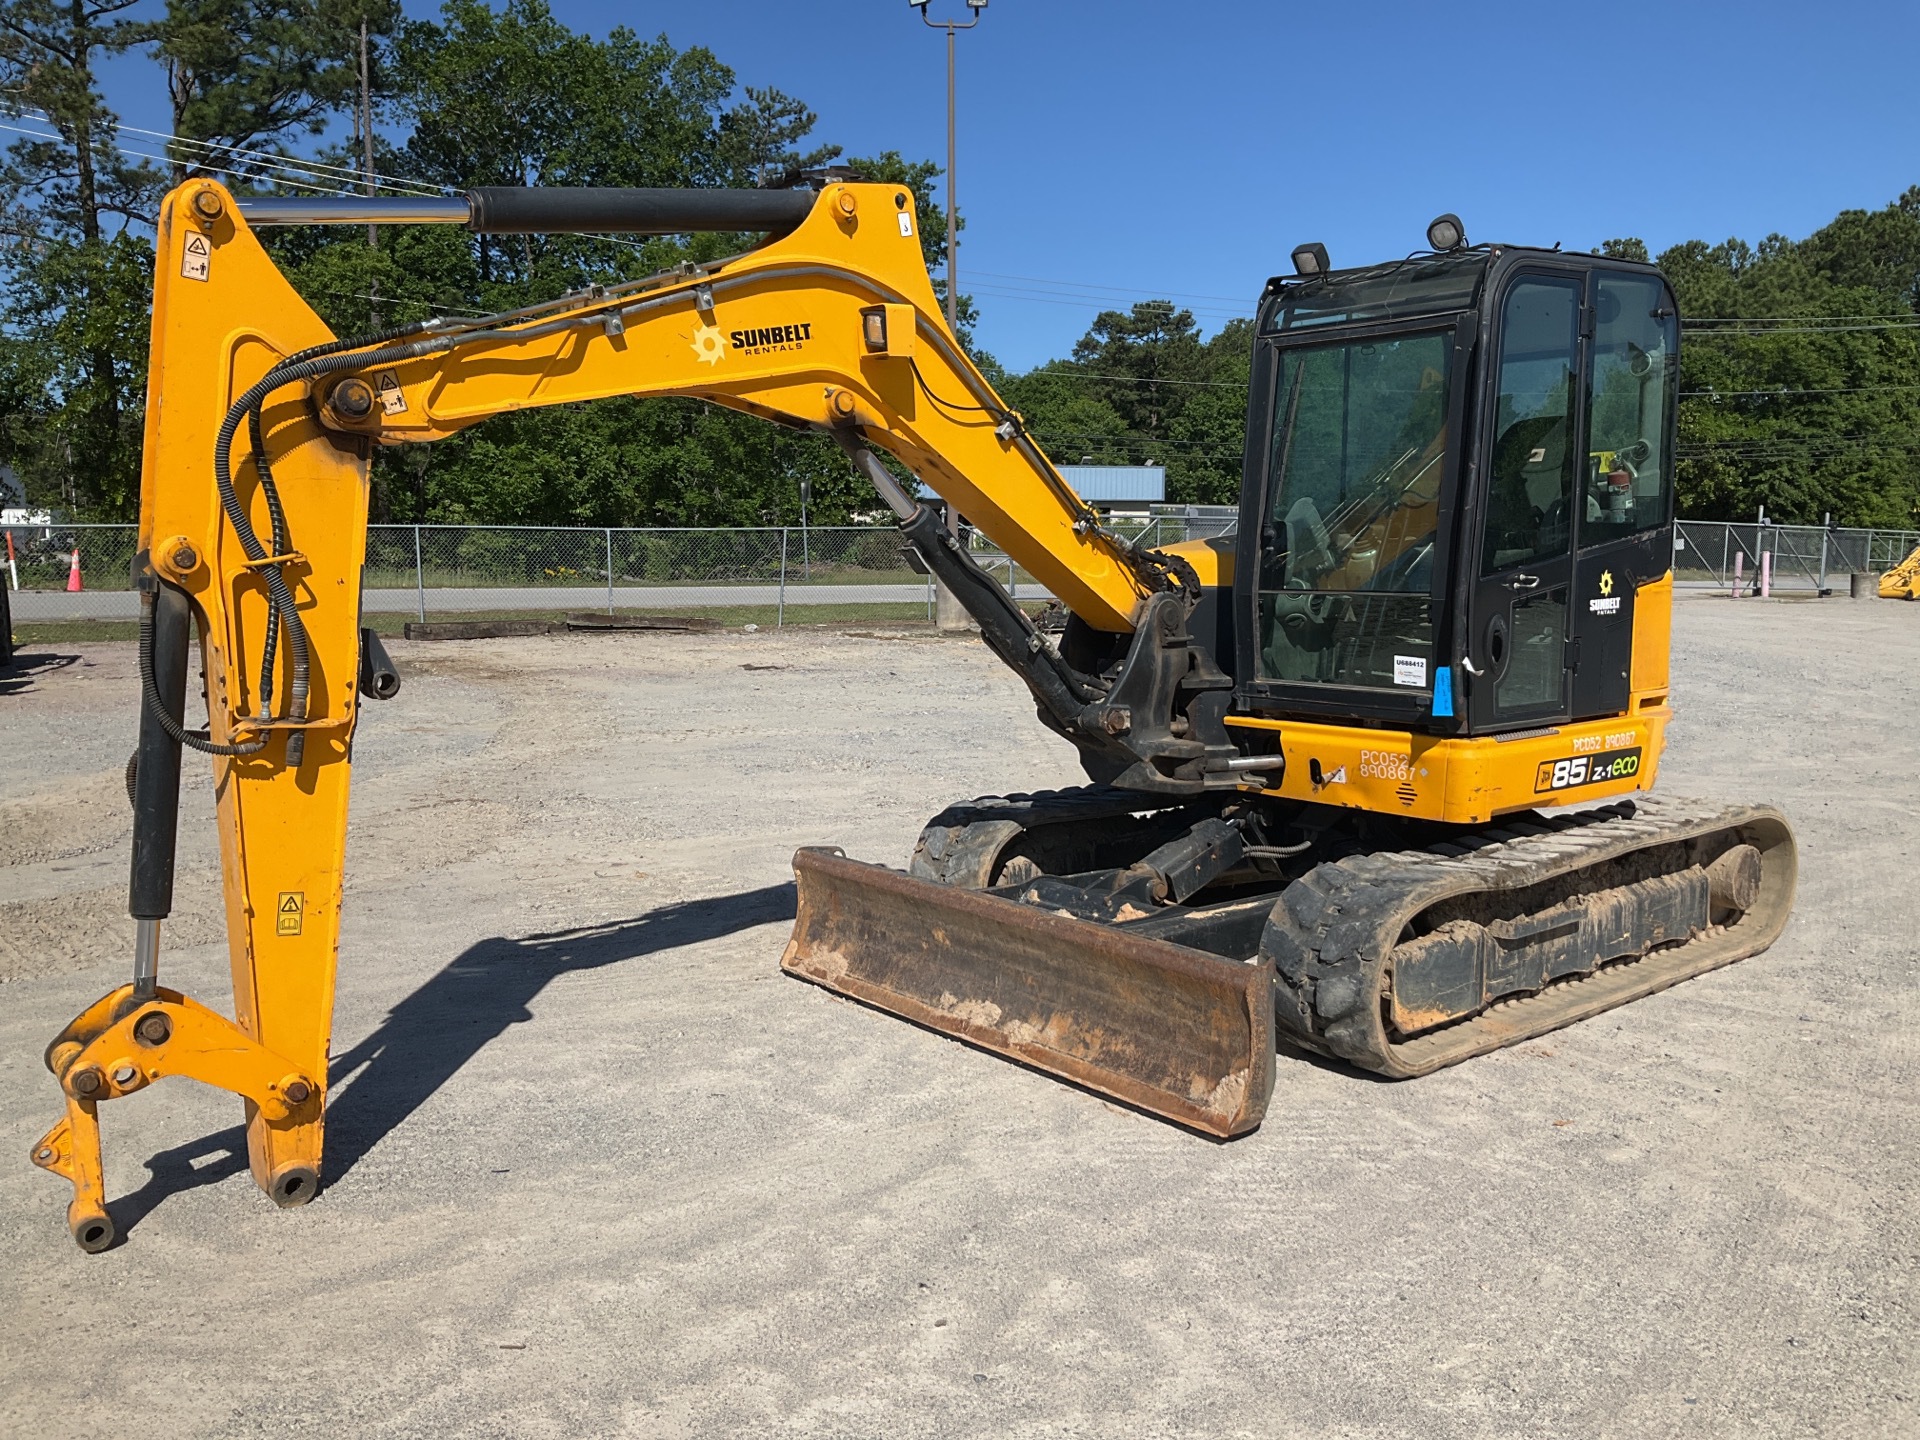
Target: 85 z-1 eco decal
{"points": [[1578, 770]]}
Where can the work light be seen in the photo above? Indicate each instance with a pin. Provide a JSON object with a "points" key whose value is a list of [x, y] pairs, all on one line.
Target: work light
{"points": [[1446, 233]]}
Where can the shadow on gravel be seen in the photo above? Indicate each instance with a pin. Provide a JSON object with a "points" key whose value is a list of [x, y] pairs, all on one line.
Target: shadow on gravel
{"points": [[28, 666], [206, 1161], [446, 1022]]}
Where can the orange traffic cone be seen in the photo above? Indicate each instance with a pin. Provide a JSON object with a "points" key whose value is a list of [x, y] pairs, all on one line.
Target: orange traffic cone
{"points": [[73, 575]]}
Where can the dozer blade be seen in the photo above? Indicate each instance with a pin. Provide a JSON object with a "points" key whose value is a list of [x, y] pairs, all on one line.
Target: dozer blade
{"points": [[1177, 1032]]}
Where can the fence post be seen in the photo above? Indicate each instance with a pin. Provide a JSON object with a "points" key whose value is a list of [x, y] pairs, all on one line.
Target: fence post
{"points": [[780, 609], [419, 575], [1826, 528], [609, 569]]}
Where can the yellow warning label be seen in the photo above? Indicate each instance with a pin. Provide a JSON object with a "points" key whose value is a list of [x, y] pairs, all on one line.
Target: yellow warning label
{"points": [[292, 903], [196, 257], [392, 400]]}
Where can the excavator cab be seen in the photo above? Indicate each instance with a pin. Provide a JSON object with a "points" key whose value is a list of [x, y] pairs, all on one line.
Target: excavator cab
{"points": [[1459, 477], [1446, 615]]}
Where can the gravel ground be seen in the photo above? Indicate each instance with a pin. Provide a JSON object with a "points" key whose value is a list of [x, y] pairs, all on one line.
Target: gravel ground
{"points": [[597, 1169]]}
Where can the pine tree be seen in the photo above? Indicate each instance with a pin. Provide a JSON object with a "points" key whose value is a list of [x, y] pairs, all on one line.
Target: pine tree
{"points": [[76, 266]]}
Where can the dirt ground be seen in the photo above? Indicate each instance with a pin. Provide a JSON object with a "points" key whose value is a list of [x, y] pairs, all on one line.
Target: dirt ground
{"points": [[595, 1168]]}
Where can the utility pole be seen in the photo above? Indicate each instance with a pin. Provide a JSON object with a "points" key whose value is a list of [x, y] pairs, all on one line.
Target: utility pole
{"points": [[948, 612], [366, 141]]}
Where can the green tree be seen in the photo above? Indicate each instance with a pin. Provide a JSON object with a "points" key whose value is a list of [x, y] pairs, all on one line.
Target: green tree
{"points": [[514, 97], [248, 75], [1800, 372], [1143, 387], [76, 276]]}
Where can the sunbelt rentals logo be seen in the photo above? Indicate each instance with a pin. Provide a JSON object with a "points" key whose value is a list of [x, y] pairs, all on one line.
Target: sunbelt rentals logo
{"points": [[711, 343], [1607, 603]]}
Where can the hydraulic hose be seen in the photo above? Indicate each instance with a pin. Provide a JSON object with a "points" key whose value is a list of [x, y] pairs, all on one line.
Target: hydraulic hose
{"points": [[282, 613], [156, 704], [280, 545]]}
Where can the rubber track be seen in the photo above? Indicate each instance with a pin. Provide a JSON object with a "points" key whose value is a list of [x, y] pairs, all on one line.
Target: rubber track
{"points": [[959, 845], [1333, 933]]}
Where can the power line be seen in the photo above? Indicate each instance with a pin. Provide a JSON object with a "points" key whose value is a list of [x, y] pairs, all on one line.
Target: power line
{"points": [[1110, 289], [1129, 379], [1712, 394], [295, 177], [399, 184], [1757, 332], [1793, 319], [1127, 304], [295, 171], [1082, 303], [262, 159]]}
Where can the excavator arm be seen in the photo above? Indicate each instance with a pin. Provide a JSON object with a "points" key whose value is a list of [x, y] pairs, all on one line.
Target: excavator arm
{"points": [[260, 425]]}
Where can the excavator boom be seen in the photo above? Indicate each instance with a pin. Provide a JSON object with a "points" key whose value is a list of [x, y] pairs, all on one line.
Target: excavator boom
{"points": [[253, 516]]}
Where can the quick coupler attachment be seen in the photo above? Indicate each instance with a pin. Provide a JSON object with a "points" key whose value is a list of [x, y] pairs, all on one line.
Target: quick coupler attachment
{"points": [[124, 1042]]}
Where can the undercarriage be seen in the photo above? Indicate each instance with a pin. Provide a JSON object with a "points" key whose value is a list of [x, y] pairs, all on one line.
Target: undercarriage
{"points": [[1156, 951]]}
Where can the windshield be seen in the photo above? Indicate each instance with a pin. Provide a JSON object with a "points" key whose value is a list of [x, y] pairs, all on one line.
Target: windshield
{"points": [[1346, 566], [1424, 285]]}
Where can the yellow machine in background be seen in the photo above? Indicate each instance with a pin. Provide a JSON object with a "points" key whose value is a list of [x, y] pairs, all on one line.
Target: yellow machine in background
{"points": [[1903, 581], [1317, 749]]}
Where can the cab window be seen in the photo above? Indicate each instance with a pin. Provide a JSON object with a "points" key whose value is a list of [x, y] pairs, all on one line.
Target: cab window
{"points": [[1629, 474], [1530, 486], [1346, 567]]}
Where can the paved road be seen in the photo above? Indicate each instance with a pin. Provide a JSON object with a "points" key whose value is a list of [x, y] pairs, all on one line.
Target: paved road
{"points": [[31, 605], [44, 605]]}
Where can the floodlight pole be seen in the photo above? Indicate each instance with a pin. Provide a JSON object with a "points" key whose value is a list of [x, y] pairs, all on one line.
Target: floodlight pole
{"points": [[951, 26], [949, 614]]}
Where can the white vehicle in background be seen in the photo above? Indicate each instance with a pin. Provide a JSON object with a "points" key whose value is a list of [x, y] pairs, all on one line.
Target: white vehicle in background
{"points": [[22, 527], [19, 518]]}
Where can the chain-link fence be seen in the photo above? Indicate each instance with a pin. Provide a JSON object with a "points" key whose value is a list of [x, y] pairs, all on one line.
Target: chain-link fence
{"points": [[773, 575], [781, 575], [1796, 557], [766, 575], [770, 576], [41, 564]]}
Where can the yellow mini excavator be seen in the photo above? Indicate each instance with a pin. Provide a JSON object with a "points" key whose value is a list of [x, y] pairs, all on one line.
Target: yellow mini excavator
{"points": [[1320, 752], [1903, 581]]}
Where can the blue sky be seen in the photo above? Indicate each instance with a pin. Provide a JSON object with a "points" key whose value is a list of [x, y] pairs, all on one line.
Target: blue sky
{"points": [[1113, 150]]}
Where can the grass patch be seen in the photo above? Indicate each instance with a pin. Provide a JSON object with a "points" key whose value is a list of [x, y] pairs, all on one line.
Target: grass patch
{"points": [[50, 632], [907, 613], [53, 632]]}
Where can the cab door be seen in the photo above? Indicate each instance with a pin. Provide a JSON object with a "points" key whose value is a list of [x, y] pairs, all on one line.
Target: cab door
{"points": [[1519, 625], [1624, 526]]}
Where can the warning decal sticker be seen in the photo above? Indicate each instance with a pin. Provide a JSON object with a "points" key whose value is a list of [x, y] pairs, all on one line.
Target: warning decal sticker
{"points": [[388, 384], [292, 904], [196, 257]]}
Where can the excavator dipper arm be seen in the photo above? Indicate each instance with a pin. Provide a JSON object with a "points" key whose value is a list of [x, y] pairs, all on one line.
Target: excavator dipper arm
{"points": [[253, 517]]}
